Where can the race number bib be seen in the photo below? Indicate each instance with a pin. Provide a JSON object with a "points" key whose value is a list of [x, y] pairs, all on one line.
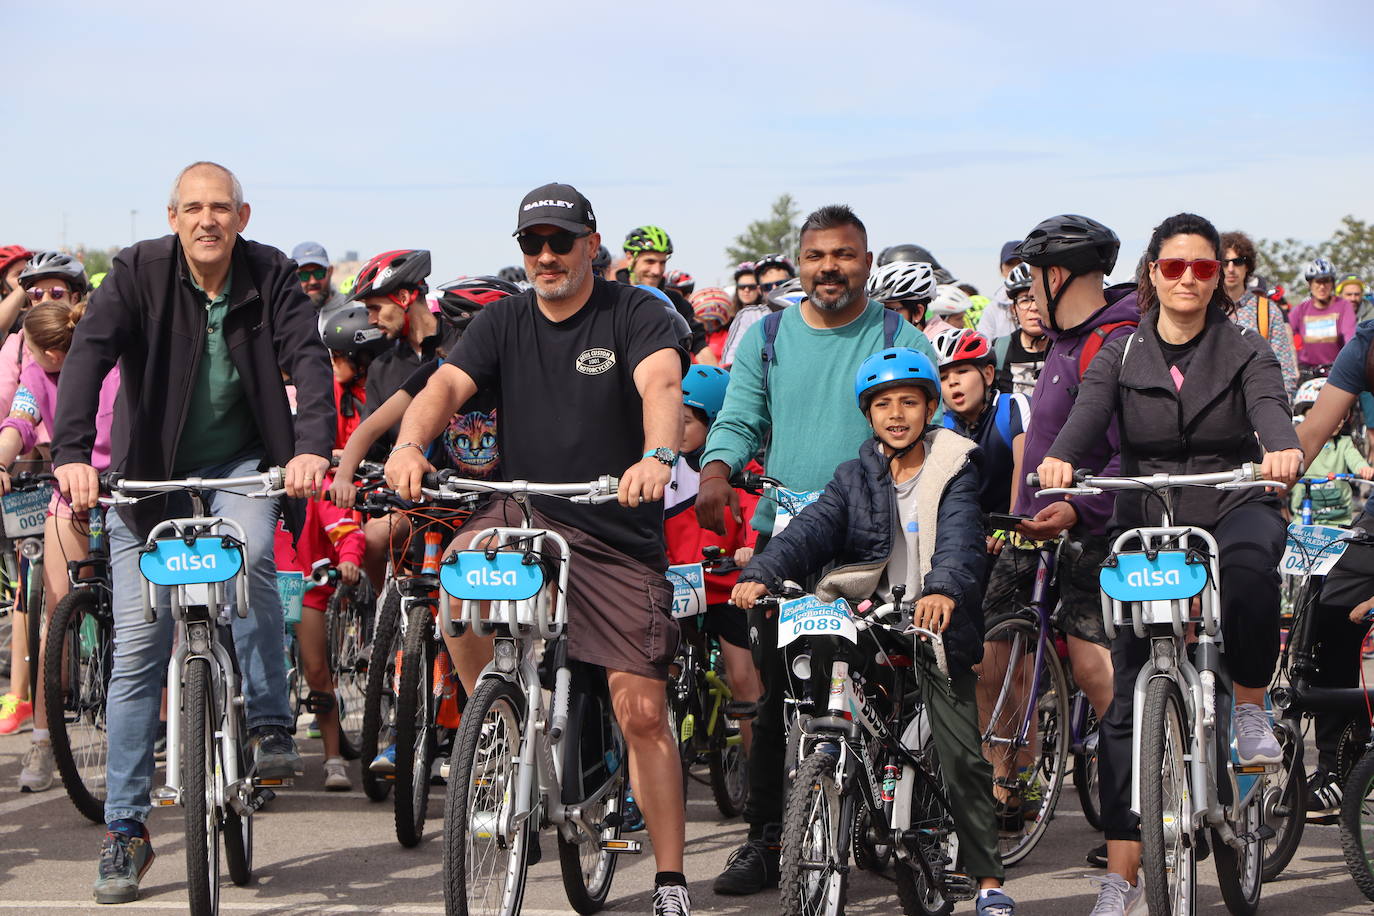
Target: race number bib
{"points": [[1312, 548], [789, 504], [1320, 329], [25, 512], [809, 616], [689, 589]]}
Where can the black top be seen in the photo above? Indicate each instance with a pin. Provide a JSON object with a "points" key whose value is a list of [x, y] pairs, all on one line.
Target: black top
{"points": [[570, 411], [394, 366], [1179, 356], [468, 444]]}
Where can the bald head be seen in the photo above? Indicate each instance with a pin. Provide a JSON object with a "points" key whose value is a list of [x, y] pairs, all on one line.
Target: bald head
{"points": [[200, 167]]}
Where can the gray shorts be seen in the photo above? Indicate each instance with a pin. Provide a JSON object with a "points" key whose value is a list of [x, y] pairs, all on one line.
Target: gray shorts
{"points": [[1080, 602]]}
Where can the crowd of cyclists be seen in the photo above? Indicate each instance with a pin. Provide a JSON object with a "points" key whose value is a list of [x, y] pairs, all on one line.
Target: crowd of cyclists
{"points": [[902, 407]]}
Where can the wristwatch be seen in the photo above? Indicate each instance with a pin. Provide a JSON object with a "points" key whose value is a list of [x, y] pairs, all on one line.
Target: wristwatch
{"points": [[666, 455]]}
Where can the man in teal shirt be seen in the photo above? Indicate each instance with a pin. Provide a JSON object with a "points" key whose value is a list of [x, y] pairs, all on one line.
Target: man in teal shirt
{"points": [[809, 411]]}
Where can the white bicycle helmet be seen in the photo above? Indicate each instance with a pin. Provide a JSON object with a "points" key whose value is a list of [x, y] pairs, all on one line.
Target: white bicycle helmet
{"points": [[950, 300], [1307, 393], [788, 294], [902, 280], [1018, 280], [1319, 268]]}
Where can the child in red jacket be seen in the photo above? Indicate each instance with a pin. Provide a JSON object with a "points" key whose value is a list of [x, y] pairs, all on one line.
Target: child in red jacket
{"points": [[703, 393], [330, 537]]}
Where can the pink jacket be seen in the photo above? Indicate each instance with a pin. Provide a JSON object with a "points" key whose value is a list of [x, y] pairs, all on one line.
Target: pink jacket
{"points": [[14, 358], [35, 402]]}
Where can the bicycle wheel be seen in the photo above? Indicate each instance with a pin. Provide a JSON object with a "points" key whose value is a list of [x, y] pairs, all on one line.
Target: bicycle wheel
{"points": [[1285, 803], [924, 825], [482, 874], [414, 727], [199, 722], [347, 625], [1035, 778], [76, 676], [587, 868], [729, 766], [379, 702], [237, 829], [1240, 871], [1357, 824], [681, 720], [816, 825], [1085, 775], [1168, 854]]}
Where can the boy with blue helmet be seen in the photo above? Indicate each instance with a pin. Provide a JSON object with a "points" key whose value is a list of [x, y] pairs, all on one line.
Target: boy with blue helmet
{"points": [[906, 512]]}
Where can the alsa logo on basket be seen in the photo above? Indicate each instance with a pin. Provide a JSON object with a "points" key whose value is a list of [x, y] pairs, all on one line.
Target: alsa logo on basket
{"points": [[486, 576], [190, 561], [1145, 578]]}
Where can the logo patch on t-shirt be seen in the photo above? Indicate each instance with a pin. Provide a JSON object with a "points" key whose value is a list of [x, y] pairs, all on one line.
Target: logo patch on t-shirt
{"points": [[595, 361]]}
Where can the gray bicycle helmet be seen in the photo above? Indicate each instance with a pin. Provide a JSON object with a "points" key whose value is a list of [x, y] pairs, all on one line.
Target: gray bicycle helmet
{"points": [[55, 265], [348, 331], [911, 252]]}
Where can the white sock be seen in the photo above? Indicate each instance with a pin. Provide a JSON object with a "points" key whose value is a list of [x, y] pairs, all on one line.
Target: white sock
{"points": [[40, 734]]}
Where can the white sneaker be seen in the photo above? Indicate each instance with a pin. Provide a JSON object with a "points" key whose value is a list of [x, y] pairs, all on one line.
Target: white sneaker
{"points": [[336, 775], [1115, 897], [36, 776], [672, 900], [1255, 741]]}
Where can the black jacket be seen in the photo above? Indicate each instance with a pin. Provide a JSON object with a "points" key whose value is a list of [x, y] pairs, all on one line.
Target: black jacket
{"points": [[149, 317], [1233, 390], [854, 522]]}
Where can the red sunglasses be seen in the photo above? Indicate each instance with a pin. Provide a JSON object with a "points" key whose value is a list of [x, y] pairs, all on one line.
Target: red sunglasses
{"points": [[1173, 268]]}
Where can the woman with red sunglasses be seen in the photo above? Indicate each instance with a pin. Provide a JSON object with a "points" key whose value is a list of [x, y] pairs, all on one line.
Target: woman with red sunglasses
{"points": [[1193, 393]]}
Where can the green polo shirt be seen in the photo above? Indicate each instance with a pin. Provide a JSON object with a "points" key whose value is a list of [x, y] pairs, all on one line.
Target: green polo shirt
{"points": [[219, 424]]}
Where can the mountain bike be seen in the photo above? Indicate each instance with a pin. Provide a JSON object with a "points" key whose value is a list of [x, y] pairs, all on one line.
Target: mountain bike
{"points": [[1182, 700], [523, 760], [197, 564]]}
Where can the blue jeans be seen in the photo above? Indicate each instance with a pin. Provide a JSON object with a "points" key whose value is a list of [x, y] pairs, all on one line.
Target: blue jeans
{"points": [[142, 649]]}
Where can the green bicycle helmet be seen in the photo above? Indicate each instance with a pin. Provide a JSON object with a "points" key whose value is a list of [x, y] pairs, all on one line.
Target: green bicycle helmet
{"points": [[648, 238]]}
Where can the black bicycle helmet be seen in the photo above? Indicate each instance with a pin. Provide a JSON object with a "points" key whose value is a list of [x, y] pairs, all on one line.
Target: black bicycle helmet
{"points": [[911, 252], [1076, 243], [602, 260], [390, 271], [513, 275], [49, 265], [347, 331], [461, 300]]}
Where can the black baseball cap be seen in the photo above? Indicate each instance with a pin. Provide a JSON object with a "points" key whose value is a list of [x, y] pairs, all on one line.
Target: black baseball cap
{"points": [[1009, 251], [559, 205]]}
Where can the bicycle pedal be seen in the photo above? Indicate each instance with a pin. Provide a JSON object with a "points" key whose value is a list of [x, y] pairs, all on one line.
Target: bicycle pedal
{"points": [[960, 886], [443, 771], [628, 847], [1259, 769], [1265, 832], [165, 797], [274, 783], [738, 709]]}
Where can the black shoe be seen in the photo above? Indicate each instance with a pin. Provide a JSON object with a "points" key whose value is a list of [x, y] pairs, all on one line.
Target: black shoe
{"points": [[751, 868], [274, 753], [1097, 856], [1323, 794]]}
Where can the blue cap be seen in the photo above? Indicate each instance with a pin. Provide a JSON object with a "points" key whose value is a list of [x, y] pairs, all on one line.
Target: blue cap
{"points": [[1009, 251], [310, 253]]}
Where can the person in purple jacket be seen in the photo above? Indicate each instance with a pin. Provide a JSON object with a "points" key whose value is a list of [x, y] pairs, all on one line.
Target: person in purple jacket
{"points": [[1324, 322], [1068, 257]]}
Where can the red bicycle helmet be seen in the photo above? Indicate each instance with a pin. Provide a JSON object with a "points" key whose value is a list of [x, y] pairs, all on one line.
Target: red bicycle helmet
{"points": [[961, 345], [391, 271], [11, 253], [460, 300]]}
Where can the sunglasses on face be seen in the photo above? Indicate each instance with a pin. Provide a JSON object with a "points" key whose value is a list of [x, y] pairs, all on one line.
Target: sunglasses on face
{"points": [[746, 287], [1173, 268], [306, 274], [560, 242], [56, 294], [1233, 262], [769, 287]]}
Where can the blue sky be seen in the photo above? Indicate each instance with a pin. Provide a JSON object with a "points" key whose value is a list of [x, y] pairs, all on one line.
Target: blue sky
{"points": [[958, 126]]}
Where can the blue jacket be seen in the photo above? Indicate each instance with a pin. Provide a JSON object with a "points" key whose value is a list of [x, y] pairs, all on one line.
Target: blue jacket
{"points": [[854, 522]]}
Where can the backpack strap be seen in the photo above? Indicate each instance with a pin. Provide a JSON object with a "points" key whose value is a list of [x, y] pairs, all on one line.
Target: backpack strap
{"points": [[1002, 417], [1096, 338], [892, 323], [1000, 348], [1262, 306], [770, 350]]}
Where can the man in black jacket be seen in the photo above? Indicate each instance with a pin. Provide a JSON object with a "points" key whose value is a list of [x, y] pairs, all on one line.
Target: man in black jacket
{"points": [[202, 323]]}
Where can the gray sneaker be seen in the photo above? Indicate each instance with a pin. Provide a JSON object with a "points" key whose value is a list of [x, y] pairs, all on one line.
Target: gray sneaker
{"points": [[124, 860], [1115, 897], [1255, 741], [38, 766]]}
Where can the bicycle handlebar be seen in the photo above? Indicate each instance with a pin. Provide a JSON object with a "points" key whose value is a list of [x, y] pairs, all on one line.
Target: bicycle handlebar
{"points": [[447, 483], [1329, 478], [1244, 477], [271, 483]]}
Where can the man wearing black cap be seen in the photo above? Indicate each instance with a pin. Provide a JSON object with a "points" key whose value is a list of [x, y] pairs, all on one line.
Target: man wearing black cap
{"points": [[997, 320], [590, 380]]}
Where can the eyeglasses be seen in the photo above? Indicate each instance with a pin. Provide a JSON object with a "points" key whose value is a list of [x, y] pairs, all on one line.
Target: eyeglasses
{"points": [[560, 242], [1234, 262], [746, 287], [1026, 299], [1173, 268], [56, 294], [306, 274]]}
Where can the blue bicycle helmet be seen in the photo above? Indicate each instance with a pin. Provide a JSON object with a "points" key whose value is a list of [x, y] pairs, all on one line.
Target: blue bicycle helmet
{"points": [[704, 388], [893, 368]]}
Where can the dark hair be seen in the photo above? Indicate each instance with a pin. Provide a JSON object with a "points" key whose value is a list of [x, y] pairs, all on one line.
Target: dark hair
{"points": [[833, 216], [1179, 224], [1240, 243]]}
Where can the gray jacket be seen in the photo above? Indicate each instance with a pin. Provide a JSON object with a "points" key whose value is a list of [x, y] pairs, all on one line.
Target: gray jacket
{"points": [[1233, 392]]}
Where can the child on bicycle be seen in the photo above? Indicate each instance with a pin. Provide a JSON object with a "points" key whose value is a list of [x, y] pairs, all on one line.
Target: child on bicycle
{"points": [[1332, 502], [906, 512]]}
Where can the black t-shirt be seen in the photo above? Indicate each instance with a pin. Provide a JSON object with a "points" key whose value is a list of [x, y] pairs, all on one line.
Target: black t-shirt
{"points": [[390, 370], [569, 408], [469, 444], [1179, 357]]}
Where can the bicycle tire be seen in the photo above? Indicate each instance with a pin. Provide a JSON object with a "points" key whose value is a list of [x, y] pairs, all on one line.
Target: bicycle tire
{"points": [[1240, 873], [813, 867], [490, 731], [1285, 804], [587, 875], [681, 720], [1164, 747], [379, 703], [198, 717], [729, 768], [1357, 824], [1085, 777], [34, 598], [347, 622], [76, 680], [920, 811], [1045, 774], [414, 728]]}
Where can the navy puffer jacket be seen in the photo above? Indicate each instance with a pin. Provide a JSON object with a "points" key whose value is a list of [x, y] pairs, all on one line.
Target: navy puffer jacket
{"points": [[854, 523]]}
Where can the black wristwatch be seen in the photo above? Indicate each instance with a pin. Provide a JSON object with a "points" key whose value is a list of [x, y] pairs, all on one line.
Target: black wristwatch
{"points": [[666, 455]]}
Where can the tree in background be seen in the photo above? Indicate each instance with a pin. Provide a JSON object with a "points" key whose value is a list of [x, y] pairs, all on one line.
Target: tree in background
{"points": [[1350, 249], [775, 234], [95, 260]]}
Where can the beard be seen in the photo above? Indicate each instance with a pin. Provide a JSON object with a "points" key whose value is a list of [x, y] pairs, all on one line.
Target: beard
{"points": [[840, 302], [318, 299], [558, 290]]}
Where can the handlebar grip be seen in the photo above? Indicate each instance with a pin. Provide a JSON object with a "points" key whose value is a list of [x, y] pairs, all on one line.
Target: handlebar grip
{"points": [[430, 480], [1033, 480]]}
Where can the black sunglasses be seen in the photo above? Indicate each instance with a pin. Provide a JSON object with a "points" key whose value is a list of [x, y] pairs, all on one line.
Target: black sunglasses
{"points": [[560, 242]]}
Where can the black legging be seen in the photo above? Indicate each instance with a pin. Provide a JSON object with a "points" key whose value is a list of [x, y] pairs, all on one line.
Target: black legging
{"points": [[1250, 539]]}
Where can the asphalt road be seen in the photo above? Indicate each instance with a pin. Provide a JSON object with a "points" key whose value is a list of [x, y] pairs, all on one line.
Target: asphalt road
{"points": [[325, 853]]}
